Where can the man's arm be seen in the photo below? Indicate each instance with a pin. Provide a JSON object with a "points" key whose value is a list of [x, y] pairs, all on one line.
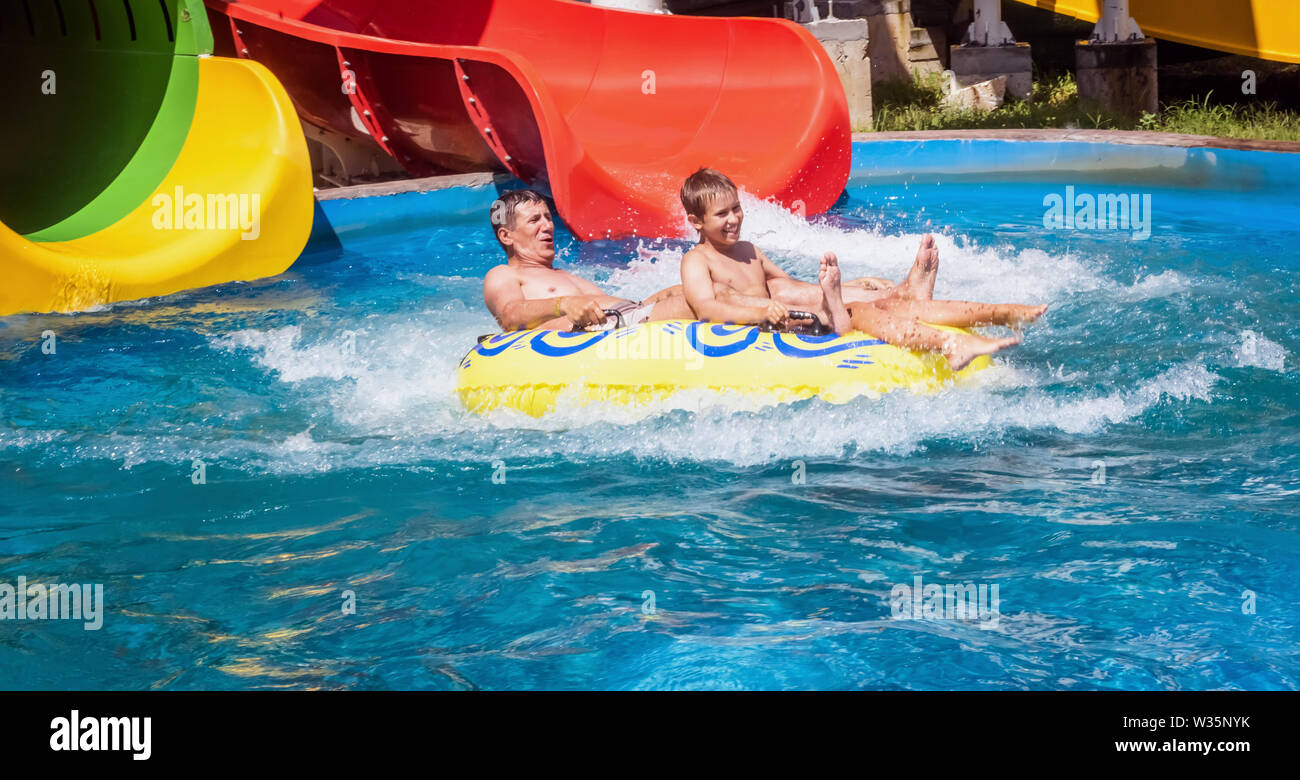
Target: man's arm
{"points": [[667, 292], [505, 299], [871, 283], [791, 292], [697, 284], [807, 295], [771, 271], [727, 295]]}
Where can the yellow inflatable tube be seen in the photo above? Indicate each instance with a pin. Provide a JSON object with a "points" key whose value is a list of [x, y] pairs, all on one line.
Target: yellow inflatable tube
{"points": [[245, 142], [534, 370]]}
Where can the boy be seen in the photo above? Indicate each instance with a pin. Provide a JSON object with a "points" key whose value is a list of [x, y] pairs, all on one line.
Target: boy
{"points": [[721, 262]]}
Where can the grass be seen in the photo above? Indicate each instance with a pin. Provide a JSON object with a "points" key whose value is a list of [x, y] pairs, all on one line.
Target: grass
{"points": [[917, 105], [1264, 121]]}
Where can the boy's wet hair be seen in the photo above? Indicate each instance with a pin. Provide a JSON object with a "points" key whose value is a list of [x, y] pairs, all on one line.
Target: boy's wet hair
{"points": [[701, 187], [504, 209]]}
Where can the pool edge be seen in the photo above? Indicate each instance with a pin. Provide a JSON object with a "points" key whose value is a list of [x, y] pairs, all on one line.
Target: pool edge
{"points": [[1127, 137]]}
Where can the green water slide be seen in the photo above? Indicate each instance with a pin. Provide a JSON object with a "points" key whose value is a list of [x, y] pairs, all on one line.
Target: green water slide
{"points": [[106, 104], [117, 103]]}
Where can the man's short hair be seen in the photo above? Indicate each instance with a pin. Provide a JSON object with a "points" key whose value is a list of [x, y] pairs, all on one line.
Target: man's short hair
{"points": [[505, 208], [701, 187]]}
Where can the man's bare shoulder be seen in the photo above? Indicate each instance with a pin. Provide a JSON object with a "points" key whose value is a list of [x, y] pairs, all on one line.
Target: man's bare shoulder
{"points": [[501, 273]]}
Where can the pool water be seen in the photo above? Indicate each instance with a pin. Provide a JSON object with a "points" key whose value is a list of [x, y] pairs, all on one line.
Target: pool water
{"points": [[1127, 478]]}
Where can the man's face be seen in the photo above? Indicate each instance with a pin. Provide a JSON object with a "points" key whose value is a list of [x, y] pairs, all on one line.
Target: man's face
{"points": [[721, 221], [533, 234]]}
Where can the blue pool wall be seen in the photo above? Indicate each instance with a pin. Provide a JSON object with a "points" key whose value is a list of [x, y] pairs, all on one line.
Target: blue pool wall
{"points": [[1177, 166], [343, 221]]}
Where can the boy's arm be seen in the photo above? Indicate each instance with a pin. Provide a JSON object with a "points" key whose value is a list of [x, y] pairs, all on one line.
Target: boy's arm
{"points": [[505, 299], [697, 284]]}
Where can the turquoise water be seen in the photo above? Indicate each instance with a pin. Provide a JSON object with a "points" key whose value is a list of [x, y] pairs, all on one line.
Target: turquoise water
{"points": [[672, 547]]}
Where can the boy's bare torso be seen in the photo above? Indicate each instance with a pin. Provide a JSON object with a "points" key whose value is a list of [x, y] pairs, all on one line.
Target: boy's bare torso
{"points": [[741, 269]]}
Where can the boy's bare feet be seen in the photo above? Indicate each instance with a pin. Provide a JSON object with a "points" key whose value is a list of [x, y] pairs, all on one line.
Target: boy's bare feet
{"points": [[962, 348], [828, 277], [919, 283], [1018, 314]]}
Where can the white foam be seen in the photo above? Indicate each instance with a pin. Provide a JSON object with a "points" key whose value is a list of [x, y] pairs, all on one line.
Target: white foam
{"points": [[278, 350], [967, 271], [1256, 351], [1159, 285], [396, 373], [403, 399]]}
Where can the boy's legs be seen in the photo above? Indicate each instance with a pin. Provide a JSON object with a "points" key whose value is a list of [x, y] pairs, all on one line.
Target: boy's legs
{"points": [[964, 314], [919, 284], [907, 332], [914, 298]]}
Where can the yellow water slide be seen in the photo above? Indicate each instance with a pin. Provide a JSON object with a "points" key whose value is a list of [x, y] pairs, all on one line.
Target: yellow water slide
{"points": [[145, 166], [1267, 29]]}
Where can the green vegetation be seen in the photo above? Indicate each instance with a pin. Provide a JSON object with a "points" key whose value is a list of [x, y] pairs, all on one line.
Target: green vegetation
{"points": [[1264, 121], [918, 105]]}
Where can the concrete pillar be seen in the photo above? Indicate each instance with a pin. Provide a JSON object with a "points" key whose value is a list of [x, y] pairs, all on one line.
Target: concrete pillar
{"points": [[989, 51], [896, 49], [889, 24], [846, 41], [973, 64], [1116, 67], [988, 29], [927, 50], [1120, 77], [1115, 25], [889, 29]]}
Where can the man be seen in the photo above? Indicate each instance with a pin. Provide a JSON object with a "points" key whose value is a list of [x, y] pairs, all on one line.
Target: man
{"points": [[527, 292]]}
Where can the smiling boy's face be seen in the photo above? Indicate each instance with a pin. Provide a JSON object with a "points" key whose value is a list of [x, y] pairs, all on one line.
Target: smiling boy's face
{"points": [[720, 224]]}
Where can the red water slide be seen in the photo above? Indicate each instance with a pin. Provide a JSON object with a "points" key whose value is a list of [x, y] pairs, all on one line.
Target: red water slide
{"points": [[608, 110]]}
